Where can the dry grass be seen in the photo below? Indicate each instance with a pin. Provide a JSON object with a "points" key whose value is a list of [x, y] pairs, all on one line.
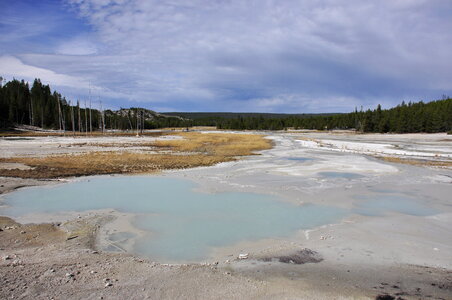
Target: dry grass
{"points": [[417, 162], [222, 144], [194, 150]]}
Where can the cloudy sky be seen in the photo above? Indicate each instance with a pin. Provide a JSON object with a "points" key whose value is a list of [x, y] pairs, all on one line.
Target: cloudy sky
{"points": [[232, 55]]}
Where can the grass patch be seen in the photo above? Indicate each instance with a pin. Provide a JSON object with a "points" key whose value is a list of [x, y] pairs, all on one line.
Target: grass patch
{"points": [[417, 162], [223, 144], [194, 150]]}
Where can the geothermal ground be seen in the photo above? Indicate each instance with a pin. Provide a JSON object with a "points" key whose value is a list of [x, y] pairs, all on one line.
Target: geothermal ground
{"points": [[395, 239]]}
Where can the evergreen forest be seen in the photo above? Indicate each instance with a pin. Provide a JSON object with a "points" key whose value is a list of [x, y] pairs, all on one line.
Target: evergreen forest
{"points": [[41, 107]]}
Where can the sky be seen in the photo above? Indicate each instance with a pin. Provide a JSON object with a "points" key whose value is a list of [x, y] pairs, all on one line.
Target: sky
{"points": [[304, 56]]}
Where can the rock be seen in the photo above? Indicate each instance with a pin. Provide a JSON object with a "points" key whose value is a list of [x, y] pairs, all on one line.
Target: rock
{"points": [[93, 272], [52, 271], [7, 257], [17, 262], [108, 284], [243, 255], [23, 232], [94, 252], [70, 275]]}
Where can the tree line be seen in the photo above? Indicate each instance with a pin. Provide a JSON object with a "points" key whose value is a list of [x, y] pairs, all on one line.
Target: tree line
{"points": [[39, 106], [435, 116]]}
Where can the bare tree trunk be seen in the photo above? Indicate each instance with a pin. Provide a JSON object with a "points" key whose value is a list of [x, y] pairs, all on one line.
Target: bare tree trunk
{"points": [[31, 111], [102, 117], [142, 121], [63, 123], [72, 118], [90, 119], [86, 121], [79, 120], [59, 113], [136, 114]]}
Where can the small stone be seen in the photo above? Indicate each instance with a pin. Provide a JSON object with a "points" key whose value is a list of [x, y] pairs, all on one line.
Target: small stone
{"points": [[243, 255], [69, 275], [108, 284], [94, 252], [23, 232], [52, 271], [93, 272], [7, 257]]}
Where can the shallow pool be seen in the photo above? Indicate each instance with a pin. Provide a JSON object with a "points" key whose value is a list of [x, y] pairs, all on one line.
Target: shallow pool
{"points": [[345, 175], [183, 224], [301, 159]]}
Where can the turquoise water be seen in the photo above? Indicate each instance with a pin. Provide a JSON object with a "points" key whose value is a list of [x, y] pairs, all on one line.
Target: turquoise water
{"points": [[183, 224]]}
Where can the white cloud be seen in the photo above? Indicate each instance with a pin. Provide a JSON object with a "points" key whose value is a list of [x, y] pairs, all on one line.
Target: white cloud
{"points": [[77, 46], [13, 67], [268, 55]]}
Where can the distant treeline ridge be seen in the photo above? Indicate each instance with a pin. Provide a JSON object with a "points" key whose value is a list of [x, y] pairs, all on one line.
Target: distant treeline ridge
{"points": [[39, 106]]}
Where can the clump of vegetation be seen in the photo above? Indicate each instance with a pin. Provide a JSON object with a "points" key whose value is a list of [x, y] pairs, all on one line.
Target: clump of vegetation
{"points": [[193, 150]]}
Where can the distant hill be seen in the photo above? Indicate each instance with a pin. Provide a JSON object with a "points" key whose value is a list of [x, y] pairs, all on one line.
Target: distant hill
{"points": [[234, 115]]}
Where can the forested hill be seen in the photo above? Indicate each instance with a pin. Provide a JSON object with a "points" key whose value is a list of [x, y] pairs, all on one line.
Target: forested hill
{"points": [[39, 106], [234, 115]]}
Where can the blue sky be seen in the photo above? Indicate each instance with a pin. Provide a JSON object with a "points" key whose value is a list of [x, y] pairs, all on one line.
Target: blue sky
{"points": [[225, 55]]}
